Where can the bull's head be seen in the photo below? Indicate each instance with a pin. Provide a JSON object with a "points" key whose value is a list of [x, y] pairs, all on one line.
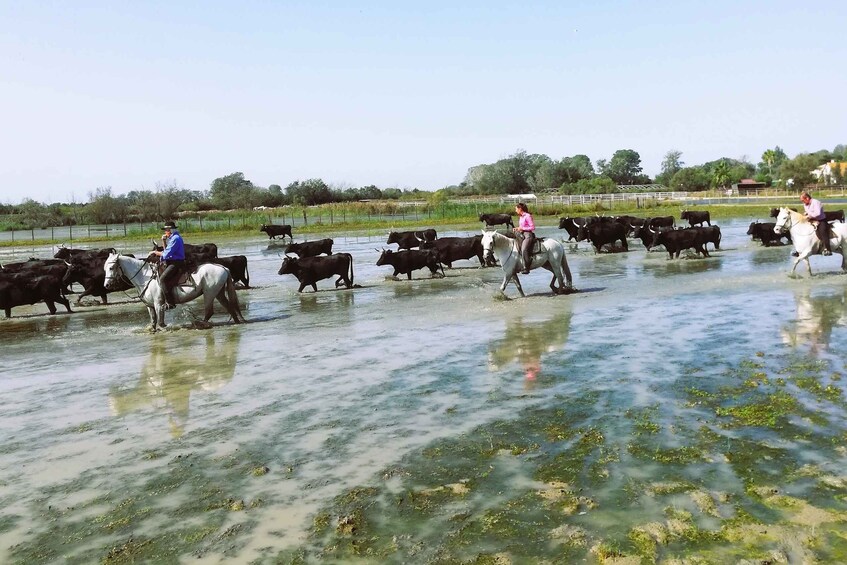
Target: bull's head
{"points": [[384, 257], [392, 237], [289, 266]]}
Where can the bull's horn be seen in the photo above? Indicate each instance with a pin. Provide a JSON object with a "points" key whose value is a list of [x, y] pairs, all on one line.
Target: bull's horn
{"points": [[651, 229], [68, 264]]}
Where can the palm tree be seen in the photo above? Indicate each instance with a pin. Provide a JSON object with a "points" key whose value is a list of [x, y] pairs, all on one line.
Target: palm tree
{"points": [[769, 157]]}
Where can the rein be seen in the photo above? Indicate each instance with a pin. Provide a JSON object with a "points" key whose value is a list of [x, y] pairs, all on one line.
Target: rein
{"points": [[129, 280]]}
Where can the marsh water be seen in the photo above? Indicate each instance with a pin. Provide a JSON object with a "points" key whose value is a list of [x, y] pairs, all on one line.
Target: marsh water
{"points": [[691, 408]]}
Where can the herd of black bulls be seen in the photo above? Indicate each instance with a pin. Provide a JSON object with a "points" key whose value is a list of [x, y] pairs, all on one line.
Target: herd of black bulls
{"points": [[50, 280]]}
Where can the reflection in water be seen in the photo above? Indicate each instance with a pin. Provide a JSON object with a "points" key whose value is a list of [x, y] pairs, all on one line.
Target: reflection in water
{"points": [[816, 316], [34, 325], [175, 369], [318, 301], [525, 342]]}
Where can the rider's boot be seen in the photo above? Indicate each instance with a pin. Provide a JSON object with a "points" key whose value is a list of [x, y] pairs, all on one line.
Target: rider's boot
{"points": [[169, 299]]}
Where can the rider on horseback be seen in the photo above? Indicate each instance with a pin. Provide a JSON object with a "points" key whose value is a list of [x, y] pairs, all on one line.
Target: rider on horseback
{"points": [[526, 229], [814, 211], [174, 257]]}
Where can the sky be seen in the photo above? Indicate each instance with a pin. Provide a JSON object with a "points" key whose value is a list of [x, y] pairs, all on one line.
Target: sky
{"points": [[130, 95]]}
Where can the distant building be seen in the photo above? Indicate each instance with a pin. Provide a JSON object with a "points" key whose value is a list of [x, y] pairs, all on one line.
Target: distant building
{"points": [[828, 173], [745, 185]]}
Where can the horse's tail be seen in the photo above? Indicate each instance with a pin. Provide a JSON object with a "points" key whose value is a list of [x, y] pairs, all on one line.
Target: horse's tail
{"points": [[246, 274], [351, 268], [232, 297]]}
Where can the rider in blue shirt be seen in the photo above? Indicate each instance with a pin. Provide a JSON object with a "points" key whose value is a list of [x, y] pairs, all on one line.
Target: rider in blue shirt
{"points": [[173, 256]]}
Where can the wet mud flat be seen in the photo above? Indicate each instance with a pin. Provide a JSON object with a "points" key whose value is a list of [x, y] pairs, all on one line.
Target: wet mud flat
{"points": [[687, 410]]}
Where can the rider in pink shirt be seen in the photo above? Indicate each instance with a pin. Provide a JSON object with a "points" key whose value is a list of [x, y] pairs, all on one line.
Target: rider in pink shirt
{"points": [[814, 211], [526, 229]]}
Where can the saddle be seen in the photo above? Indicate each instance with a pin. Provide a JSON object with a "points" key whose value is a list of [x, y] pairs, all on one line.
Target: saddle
{"points": [[538, 246], [184, 278]]}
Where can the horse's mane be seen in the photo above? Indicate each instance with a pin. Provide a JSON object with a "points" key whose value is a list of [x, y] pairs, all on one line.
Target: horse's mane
{"points": [[797, 217]]}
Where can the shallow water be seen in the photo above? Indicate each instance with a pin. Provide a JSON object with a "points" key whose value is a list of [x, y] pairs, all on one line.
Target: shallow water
{"points": [[233, 442]]}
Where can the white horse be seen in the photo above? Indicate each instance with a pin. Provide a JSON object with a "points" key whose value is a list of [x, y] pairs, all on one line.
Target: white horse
{"points": [[551, 257], [805, 239], [210, 280]]}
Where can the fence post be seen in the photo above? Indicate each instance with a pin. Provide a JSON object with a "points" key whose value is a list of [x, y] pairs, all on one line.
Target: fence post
{"points": [[305, 220], [33, 233], [71, 232], [89, 230], [124, 229], [52, 237]]}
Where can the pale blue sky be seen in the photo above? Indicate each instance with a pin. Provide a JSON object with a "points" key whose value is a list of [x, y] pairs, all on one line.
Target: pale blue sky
{"points": [[128, 94]]}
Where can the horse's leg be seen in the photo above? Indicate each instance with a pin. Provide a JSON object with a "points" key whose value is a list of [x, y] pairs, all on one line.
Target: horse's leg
{"points": [[208, 305], [152, 312], [567, 270], [518, 284]]}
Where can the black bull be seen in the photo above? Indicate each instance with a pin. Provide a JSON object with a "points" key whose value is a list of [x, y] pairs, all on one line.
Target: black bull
{"points": [[696, 217], [455, 248], [496, 219], [404, 262], [274, 230], [835, 215], [23, 288], [87, 270], [310, 270], [311, 248], [411, 239], [205, 249], [677, 240], [602, 233], [764, 231]]}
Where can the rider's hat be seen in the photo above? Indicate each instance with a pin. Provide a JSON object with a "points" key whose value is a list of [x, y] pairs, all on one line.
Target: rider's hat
{"points": [[169, 226]]}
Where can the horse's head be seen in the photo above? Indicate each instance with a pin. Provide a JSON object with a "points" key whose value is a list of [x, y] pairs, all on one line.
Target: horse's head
{"points": [[488, 244], [113, 270], [783, 221]]}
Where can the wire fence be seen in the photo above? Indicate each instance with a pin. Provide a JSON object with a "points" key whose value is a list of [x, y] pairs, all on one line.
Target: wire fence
{"points": [[382, 214]]}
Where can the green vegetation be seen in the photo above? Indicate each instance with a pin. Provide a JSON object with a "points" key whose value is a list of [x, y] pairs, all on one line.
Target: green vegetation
{"points": [[373, 217], [519, 173]]}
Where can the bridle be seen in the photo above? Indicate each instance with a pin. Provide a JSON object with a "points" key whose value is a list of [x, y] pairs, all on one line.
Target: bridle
{"points": [[123, 277], [786, 224]]}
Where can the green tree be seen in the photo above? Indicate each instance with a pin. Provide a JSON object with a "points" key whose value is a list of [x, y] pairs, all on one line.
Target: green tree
{"points": [[625, 167], [309, 193], [232, 191], [721, 175], [671, 165], [690, 179], [104, 208], [32, 214], [799, 170]]}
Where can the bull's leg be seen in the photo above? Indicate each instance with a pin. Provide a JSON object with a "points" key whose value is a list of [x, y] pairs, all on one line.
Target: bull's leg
{"points": [[51, 306], [302, 286], [314, 287], [8, 312], [64, 302], [409, 275], [624, 244]]}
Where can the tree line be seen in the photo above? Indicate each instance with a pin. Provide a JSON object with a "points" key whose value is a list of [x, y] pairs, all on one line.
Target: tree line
{"points": [[519, 173]]}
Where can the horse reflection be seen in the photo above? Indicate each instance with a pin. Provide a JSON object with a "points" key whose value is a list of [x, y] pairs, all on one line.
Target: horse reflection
{"points": [[525, 342], [175, 369], [815, 319]]}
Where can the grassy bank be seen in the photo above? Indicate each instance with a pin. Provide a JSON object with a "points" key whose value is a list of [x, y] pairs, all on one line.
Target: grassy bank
{"points": [[332, 219]]}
